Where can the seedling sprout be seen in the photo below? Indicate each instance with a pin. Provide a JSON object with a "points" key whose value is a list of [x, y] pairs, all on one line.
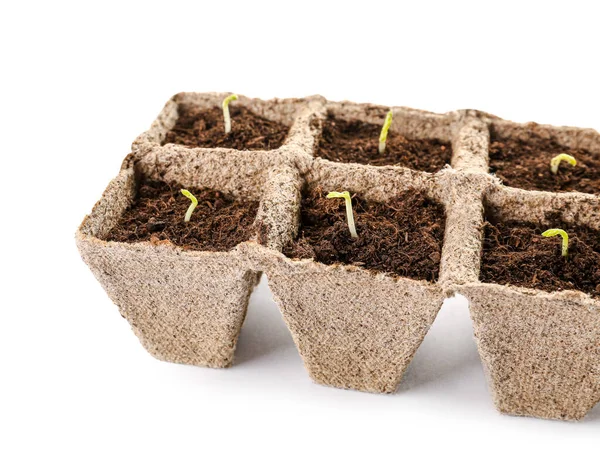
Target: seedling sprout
{"points": [[188, 214], [226, 101], [349, 214], [555, 162], [565, 238], [384, 131]]}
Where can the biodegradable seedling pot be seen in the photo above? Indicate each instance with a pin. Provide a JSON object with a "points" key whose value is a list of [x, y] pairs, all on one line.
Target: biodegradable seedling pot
{"points": [[520, 156], [354, 327], [541, 349], [417, 140], [185, 306], [291, 115]]}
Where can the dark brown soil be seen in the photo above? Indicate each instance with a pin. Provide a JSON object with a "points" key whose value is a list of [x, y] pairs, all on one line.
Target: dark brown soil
{"points": [[205, 128], [517, 254], [526, 165], [358, 141], [403, 237], [217, 224]]}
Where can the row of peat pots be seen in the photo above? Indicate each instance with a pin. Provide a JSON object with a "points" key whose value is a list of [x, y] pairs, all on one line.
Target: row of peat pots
{"points": [[181, 236]]}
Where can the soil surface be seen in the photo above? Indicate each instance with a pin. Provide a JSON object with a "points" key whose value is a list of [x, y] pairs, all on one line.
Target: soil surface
{"points": [[402, 237], [517, 254], [526, 165], [205, 128], [217, 224], [358, 141]]}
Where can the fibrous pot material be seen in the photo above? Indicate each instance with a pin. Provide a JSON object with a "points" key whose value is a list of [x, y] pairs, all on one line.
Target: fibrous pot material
{"points": [[540, 350], [354, 328], [185, 307]]}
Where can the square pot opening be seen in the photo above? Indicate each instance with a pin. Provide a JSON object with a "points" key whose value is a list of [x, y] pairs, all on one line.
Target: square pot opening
{"points": [[515, 253], [416, 140], [520, 157], [218, 223], [401, 235], [149, 207], [195, 120]]}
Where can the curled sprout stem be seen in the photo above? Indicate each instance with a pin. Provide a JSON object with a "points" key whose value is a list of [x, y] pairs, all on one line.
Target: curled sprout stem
{"points": [[555, 162], [226, 117], [565, 238], [384, 131], [349, 214], [188, 214]]}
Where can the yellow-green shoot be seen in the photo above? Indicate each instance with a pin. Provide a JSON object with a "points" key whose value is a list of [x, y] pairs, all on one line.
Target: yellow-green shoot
{"points": [[349, 214], [194, 201], [565, 238], [384, 131], [226, 117], [555, 162]]}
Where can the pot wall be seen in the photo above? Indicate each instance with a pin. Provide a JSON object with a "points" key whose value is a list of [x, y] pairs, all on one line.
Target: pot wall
{"points": [[541, 351], [354, 329]]}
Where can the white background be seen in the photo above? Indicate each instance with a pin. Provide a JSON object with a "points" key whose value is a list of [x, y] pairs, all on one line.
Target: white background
{"points": [[80, 80]]}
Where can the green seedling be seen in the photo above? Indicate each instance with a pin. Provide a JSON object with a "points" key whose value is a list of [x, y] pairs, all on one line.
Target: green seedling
{"points": [[226, 101], [194, 201], [384, 131], [555, 162], [349, 214], [563, 234]]}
